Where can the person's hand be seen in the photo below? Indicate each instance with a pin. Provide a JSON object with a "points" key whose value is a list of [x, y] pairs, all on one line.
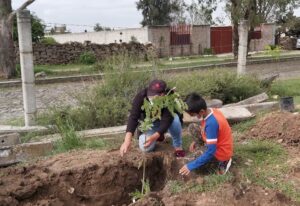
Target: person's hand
{"points": [[184, 170], [124, 147], [150, 140], [192, 147]]}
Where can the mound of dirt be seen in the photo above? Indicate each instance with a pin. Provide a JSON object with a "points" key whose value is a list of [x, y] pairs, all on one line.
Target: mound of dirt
{"points": [[281, 126], [84, 178]]}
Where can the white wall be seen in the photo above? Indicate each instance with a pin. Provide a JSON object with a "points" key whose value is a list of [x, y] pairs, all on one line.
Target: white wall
{"points": [[104, 37]]}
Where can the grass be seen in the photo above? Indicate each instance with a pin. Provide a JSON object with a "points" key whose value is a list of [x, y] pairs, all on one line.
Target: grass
{"points": [[164, 63], [64, 69], [284, 88], [264, 163], [244, 126], [211, 182]]}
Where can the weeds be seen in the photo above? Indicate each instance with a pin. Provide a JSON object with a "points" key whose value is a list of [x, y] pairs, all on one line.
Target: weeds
{"points": [[224, 85], [70, 139], [140, 194], [87, 58], [263, 163], [211, 182]]}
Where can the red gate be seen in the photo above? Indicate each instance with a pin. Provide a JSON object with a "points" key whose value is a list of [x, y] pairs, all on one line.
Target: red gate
{"points": [[180, 34], [221, 39]]}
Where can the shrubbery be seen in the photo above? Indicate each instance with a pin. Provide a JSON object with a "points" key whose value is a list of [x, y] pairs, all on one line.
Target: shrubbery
{"points": [[48, 41], [218, 83], [87, 58], [108, 103]]}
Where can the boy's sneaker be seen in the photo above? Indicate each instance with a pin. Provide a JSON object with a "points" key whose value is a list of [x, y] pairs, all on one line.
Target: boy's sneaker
{"points": [[224, 167]]}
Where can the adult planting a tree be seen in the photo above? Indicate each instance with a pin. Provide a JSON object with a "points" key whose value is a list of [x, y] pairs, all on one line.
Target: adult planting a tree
{"points": [[158, 110]]}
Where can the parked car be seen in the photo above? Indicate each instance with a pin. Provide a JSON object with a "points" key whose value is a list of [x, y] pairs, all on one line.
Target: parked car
{"points": [[298, 43]]}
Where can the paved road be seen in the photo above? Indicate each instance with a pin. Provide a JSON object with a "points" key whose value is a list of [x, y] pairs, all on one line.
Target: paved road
{"points": [[11, 105], [11, 100]]}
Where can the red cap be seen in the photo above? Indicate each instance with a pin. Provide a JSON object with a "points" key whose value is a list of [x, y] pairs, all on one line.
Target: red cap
{"points": [[156, 87]]}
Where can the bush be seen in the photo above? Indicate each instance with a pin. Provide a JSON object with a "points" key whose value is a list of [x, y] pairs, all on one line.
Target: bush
{"points": [[224, 85], [207, 51], [87, 58], [273, 50], [107, 104], [48, 41]]}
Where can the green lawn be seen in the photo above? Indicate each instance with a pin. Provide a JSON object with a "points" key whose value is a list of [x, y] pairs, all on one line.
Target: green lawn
{"points": [[285, 88]]}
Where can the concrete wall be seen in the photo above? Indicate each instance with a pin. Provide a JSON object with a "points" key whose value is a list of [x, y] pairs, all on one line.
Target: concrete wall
{"points": [[267, 37], [104, 37], [159, 36], [200, 38]]}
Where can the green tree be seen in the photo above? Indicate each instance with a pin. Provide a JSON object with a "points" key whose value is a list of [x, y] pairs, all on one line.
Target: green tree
{"points": [[98, 27], [293, 26], [37, 29], [201, 12], [158, 12], [256, 12], [7, 50]]}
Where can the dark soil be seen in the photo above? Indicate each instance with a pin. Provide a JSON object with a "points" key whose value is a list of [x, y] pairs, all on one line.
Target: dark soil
{"points": [[83, 178], [282, 127], [103, 178]]}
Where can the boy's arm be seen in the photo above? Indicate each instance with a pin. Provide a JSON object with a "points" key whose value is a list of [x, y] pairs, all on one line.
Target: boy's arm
{"points": [[211, 142], [204, 158]]}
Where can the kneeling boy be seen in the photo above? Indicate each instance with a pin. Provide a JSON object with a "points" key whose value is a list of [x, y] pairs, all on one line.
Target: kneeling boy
{"points": [[216, 134]]}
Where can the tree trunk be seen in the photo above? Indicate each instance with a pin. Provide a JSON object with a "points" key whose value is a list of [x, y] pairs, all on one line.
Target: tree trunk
{"points": [[7, 50], [235, 22], [235, 39]]}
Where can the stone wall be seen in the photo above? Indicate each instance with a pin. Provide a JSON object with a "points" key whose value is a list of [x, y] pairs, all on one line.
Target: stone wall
{"points": [[70, 52]]}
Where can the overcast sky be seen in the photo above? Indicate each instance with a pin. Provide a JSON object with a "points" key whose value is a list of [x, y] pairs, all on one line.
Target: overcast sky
{"points": [[86, 13]]}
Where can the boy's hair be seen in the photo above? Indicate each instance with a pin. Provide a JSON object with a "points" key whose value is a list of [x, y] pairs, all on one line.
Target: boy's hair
{"points": [[195, 103]]}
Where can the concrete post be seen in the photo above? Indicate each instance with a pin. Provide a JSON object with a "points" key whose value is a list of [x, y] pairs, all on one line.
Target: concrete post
{"points": [[243, 43], [26, 61]]}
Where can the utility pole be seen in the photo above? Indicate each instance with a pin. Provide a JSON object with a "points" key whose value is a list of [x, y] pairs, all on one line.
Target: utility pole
{"points": [[26, 61], [243, 45]]}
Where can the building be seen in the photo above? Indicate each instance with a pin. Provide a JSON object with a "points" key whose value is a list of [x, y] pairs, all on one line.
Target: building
{"points": [[178, 40]]}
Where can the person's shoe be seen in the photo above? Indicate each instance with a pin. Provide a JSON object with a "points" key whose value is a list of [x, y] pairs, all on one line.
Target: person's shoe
{"points": [[224, 167], [179, 153]]}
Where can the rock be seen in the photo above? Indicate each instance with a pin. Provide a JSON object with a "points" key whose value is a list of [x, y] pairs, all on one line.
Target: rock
{"points": [[280, 140], [214, 103], [232, 114], [9, 139], [40, 75], [252, 100]]}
